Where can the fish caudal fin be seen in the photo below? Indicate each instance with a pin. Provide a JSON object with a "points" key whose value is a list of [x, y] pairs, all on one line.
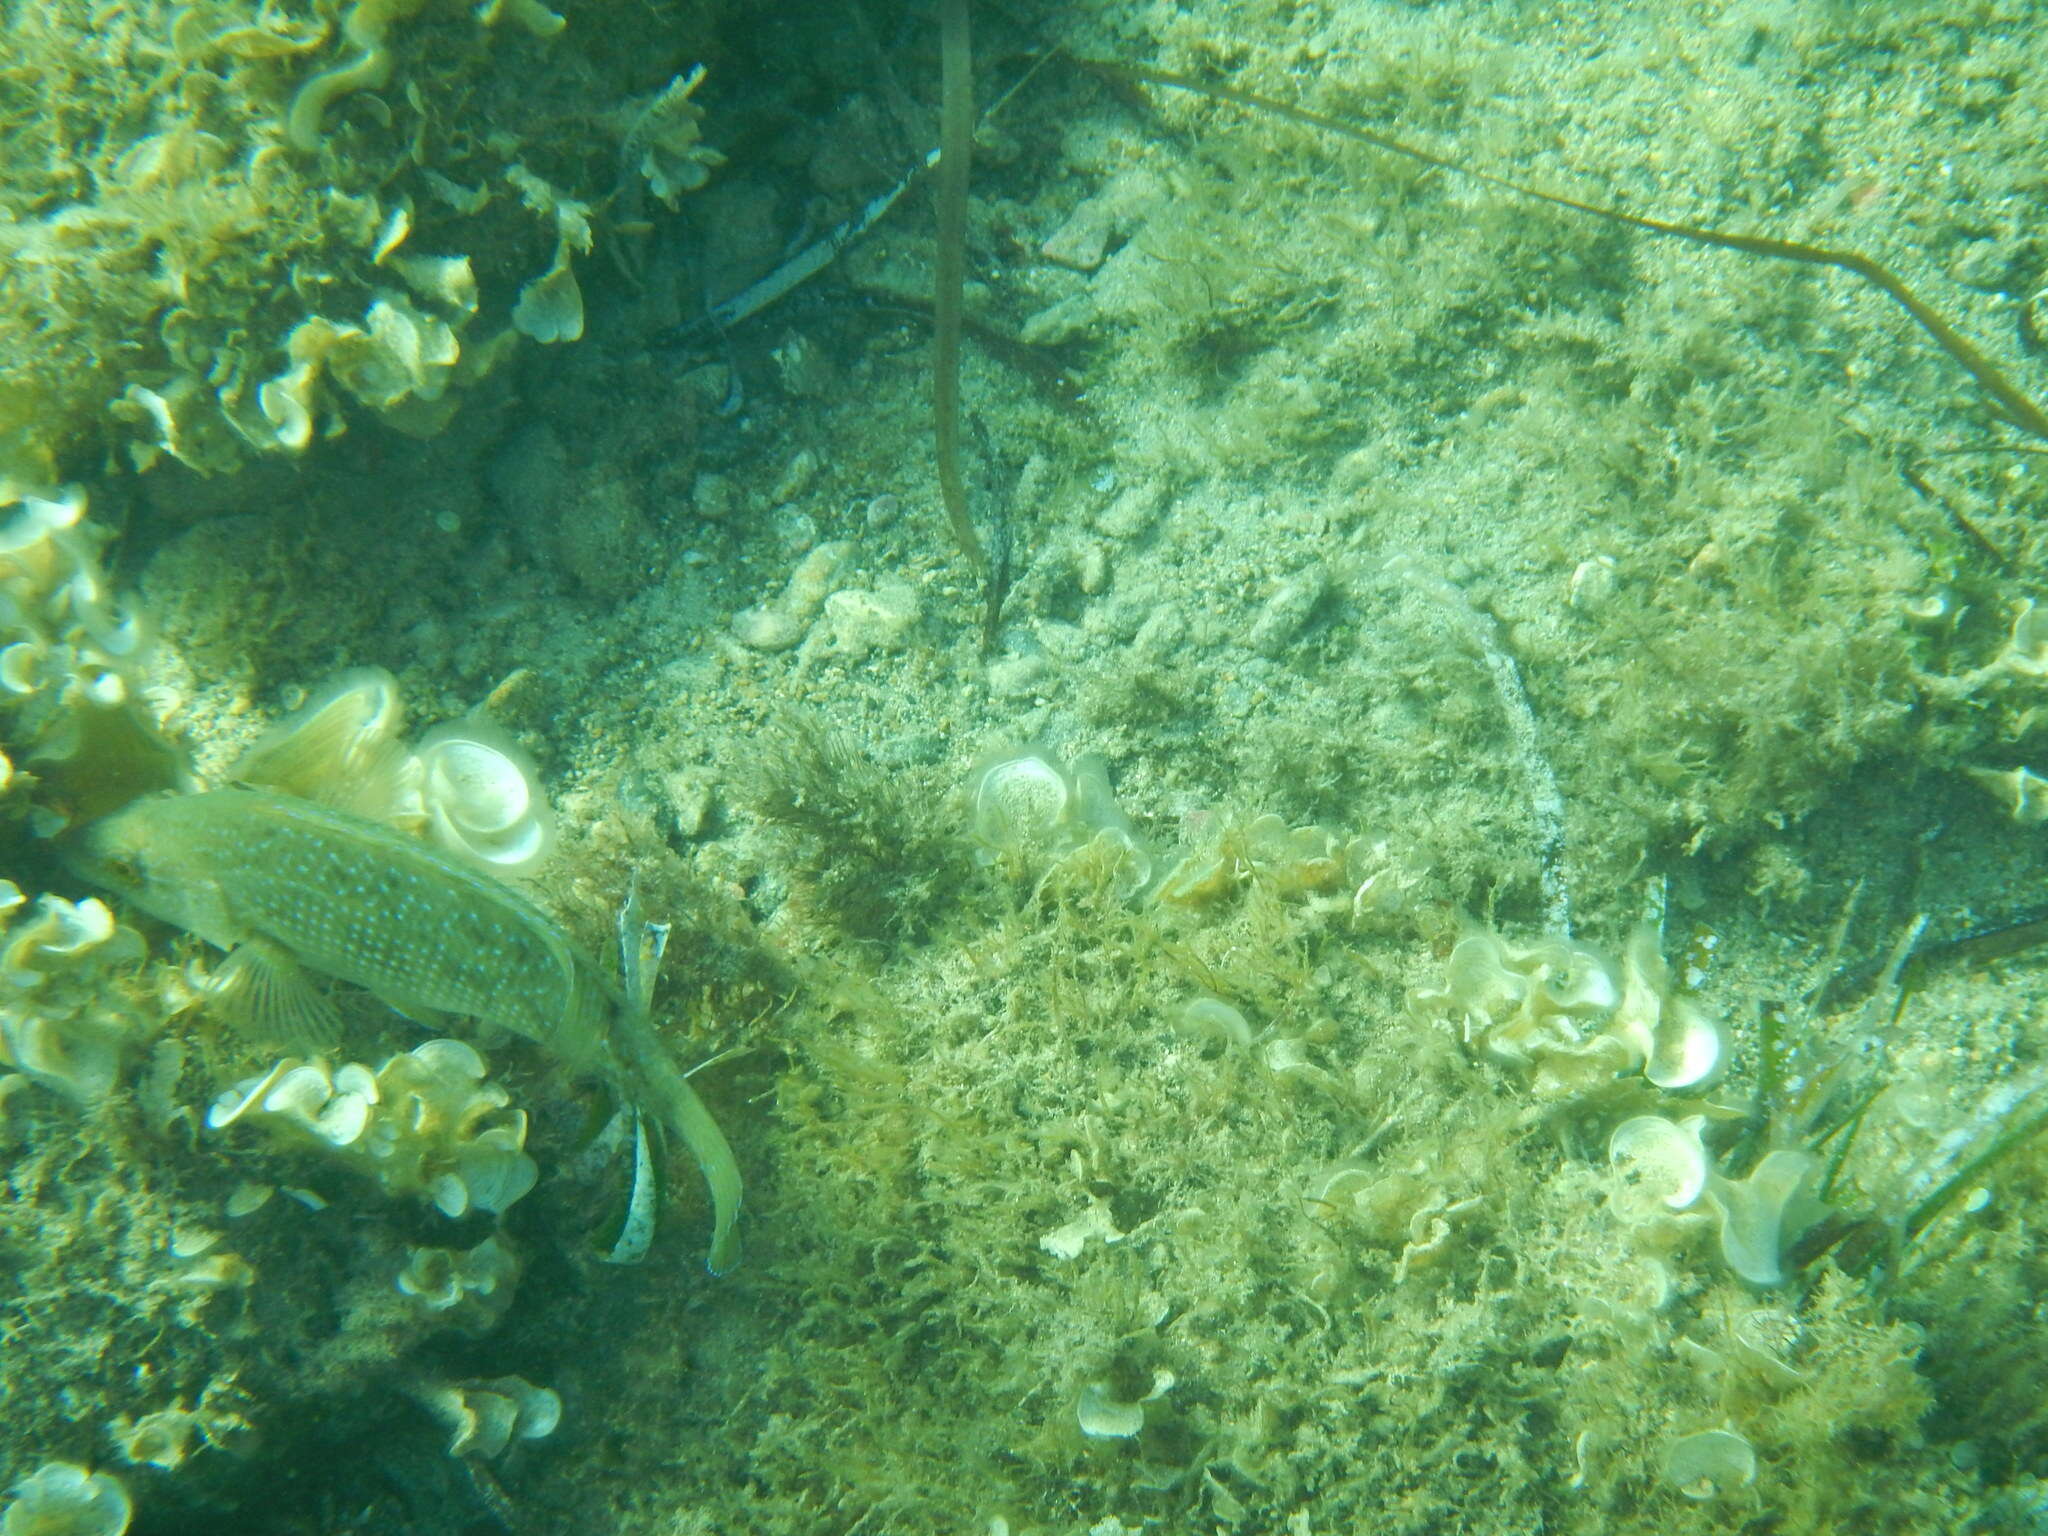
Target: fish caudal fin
{"points": [[664, 1092], [689, 1119], [665, 1096], [636, 1232]]}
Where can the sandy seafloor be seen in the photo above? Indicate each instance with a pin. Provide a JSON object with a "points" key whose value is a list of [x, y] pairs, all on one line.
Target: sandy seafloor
{"points": [[1321, 421]]}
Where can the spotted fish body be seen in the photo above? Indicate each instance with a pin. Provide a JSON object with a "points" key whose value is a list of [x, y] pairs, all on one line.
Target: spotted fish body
{"points": [[258, 872]]}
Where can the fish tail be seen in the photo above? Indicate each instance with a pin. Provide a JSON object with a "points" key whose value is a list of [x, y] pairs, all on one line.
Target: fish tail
{"points": [[665, 1094], [662, 1089]]}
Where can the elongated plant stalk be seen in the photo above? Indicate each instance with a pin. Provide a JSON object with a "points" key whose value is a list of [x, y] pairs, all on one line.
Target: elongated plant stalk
{"points": [[956, 150], [2013, 403]]}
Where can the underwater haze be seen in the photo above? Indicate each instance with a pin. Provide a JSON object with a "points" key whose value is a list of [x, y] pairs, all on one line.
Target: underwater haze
{"points": [[1419, 910]]}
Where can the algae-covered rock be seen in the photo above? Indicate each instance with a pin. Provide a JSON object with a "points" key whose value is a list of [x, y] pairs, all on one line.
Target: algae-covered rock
{"points": [[71, 1014], [70, 661], [273, 213], [426, 1123]]}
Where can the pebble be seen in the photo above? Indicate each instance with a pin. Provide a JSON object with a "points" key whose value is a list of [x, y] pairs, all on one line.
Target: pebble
{"points": [[1066, 642], [1035, 482], [1163, 634], [1083, 241], [1093, 569], [1013, 677], [1986, 264], [1070, 317], [778, 625], [798, 477], [1287, 610], [1356, 470], [858, 620], [1592, 583], [1117, 618], [714, 497], [808, 373], [767, 628], [1133, 511], [794, 529], [707, 387], [692, 799]]}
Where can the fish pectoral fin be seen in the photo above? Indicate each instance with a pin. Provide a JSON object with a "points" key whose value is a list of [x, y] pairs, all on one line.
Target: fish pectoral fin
{"points": [[262, 990]]}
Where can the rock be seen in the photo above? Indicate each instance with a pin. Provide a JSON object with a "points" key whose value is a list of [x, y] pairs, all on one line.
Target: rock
{"points": [[858, 621], [1287, 610]]}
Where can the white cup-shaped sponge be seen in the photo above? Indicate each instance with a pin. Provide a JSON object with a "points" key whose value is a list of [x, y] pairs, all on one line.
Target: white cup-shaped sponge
{"points": [[61, 1497], [1661, 1163], [483, 798]]}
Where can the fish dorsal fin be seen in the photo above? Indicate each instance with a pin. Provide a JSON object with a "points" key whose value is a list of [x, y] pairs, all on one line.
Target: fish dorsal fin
{"points": [[342, 750], [263, 991]]}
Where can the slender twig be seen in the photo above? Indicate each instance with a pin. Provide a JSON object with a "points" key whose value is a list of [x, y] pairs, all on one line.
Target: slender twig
{"points": [[1546, 799], [815, 257], [2014, 404], [2022, 1129], [956, 148]]}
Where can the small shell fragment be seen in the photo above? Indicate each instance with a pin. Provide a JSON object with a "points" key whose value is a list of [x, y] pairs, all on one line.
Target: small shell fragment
{"points": [[1021, 802], [60, 1496], [2026, 653], [190, 1242], [1936, 610], [1710, 1464], [1210, 1019], [246, 1199], [2021, 791], [1764, 1211], [1104, 1418], [1071, 1239], [1687, 1051]]}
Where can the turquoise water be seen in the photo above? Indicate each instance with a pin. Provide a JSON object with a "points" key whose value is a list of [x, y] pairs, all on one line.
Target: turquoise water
{"points": [[1454, 958]]}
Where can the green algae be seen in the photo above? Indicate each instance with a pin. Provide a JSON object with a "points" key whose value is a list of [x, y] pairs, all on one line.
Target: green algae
{"points": [[184, 188], [993, 1174]]}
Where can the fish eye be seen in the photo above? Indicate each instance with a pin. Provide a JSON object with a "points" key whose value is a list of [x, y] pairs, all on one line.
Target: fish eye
{"points": [[120, 866]]}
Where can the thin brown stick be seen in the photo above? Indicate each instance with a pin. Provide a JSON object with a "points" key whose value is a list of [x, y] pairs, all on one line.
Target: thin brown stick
{"points": [[956, 147], [2016, 405]]}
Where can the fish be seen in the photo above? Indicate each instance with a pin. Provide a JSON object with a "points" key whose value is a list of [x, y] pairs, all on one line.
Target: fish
{"points": [[288, 886]]}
